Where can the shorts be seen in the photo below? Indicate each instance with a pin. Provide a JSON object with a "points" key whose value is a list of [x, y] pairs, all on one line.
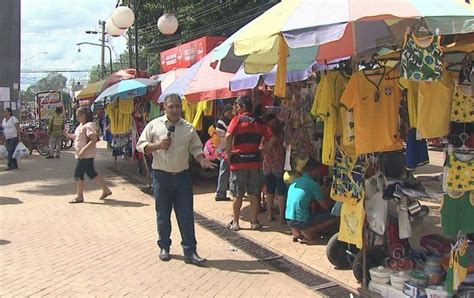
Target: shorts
{"points": [[246, 181], [85, 166], [275, 184], [314, 219]]}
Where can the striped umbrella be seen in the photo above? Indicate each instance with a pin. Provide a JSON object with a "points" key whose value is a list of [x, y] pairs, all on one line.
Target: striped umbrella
{"points": [[325, 30], [125, 89]]}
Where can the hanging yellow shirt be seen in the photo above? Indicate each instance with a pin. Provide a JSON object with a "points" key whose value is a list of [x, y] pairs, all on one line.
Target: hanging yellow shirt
{"points": [[352, 223], [376, 119], [189, 110], [204, 108], [434, 107], [326, 106]]}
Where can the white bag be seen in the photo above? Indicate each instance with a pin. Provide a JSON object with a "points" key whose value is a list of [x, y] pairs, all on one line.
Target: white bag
{"points": [[21, 151], [3, 152]]}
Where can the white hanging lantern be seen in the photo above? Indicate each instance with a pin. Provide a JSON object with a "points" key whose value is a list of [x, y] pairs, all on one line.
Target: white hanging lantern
{"points": [[123, 17], [112, 30], [167, 24]]}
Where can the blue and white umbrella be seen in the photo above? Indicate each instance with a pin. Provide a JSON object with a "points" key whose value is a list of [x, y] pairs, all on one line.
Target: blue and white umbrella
{"points": [[125, 89]]}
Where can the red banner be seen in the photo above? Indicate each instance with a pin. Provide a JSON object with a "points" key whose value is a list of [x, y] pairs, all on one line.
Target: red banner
{"points": [[189, 53]]}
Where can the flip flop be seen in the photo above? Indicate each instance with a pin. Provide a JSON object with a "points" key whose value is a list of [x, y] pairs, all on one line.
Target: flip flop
{"points": [[104, 195], [76, 201]]}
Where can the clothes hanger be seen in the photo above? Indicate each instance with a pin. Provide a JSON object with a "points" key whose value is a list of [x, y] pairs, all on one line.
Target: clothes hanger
{"points": [[463, 149]]}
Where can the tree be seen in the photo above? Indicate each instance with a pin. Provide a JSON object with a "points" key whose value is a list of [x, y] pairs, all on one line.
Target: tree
{"points": [[53, 81], [196, 18]]}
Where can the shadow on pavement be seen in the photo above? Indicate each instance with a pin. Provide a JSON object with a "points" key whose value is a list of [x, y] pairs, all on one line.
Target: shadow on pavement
{"points": [[247, 267], [117, 203], [3, 242], [9, 201]]}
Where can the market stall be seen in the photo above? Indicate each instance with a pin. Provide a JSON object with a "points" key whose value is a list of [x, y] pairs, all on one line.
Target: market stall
{"points": [[371, 121]]}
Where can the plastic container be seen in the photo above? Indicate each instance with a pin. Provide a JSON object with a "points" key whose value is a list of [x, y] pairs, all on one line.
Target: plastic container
{"points": [[380, 274], [398, 279], [419, 278], [436, 292]]}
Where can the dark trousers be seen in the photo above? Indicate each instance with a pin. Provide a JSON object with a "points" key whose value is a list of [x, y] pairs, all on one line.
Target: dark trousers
{"points": [[11, 146], [174, 190]]}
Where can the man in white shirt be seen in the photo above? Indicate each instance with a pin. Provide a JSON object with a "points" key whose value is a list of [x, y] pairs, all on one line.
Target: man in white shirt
{"points": [[171, 139]]}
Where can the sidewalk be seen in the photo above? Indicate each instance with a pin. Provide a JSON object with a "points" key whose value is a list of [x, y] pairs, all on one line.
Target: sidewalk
{"points": [[277, 237], [49, 247]]}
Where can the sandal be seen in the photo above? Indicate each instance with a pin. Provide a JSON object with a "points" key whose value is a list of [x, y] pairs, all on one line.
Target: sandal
{"points": [[76, 201], [104, 195]]}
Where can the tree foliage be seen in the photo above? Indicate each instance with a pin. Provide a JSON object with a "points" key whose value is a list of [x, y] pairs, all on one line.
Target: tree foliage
{"points": [[53, 81], [197, 18]]}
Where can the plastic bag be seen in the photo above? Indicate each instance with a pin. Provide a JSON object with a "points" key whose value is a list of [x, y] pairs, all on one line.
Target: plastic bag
{"points": [[3, 152], [376, 209], [21, 151]]}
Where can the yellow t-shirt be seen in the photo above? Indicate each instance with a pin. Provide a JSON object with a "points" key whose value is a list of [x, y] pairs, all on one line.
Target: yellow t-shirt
{"points": [[412, 99], [326, 106], [352, 223], [376, 121], [434, 107]]}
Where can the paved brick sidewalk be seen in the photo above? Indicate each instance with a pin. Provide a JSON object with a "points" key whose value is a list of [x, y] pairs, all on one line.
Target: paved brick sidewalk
{"points": [[49, 247]]}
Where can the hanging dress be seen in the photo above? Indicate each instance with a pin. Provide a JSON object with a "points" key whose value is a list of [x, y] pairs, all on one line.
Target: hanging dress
{"points": [[421, 63]]}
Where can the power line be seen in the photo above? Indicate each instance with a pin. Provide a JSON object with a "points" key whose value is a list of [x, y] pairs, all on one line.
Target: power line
{"points": [[224, 21]]}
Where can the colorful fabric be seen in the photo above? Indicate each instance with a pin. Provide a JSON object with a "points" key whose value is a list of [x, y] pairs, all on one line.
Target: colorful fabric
{"points": [[457, 271], [457, 213], [416, 151], [460, 174], [352, 223], [326, 106], [301, 193], [248, 132], [421, 63], [274, 159], [463, 106], [376, 103], [348, 178]]}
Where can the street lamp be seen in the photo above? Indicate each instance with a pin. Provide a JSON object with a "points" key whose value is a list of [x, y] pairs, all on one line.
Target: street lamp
{"points": [[99, 45], [123, 18]]}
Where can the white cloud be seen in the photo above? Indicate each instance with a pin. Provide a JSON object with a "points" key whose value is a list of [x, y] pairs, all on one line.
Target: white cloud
{"points": [[55, 27]]}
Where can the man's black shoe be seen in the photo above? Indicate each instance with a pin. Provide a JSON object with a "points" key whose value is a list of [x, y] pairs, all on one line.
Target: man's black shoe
{"points": [[194, 259], [165, 255], [225, 199]]}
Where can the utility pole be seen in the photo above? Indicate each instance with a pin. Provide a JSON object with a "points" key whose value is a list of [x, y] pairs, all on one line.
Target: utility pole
{"points": [[102, 52]]}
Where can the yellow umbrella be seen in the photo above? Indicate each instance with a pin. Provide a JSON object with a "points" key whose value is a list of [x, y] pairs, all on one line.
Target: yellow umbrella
{"points": [[91, 91]]}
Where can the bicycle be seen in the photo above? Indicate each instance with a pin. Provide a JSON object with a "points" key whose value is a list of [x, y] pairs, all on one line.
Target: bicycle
{"points": [[67, 143], [35, 137]]}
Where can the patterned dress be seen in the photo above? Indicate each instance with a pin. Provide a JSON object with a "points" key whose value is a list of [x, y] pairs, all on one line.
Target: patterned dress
{"points": [[420, 63]]}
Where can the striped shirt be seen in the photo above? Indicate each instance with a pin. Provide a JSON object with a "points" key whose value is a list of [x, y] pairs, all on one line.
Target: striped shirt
{"points": [[248, 132]]}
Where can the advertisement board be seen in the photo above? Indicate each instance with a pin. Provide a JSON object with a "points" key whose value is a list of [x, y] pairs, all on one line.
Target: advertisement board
{"points": [[47, 102], [188, 53]]}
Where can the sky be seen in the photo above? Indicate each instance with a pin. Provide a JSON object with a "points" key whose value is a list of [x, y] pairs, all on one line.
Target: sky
{"points": [[55, 27]]}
